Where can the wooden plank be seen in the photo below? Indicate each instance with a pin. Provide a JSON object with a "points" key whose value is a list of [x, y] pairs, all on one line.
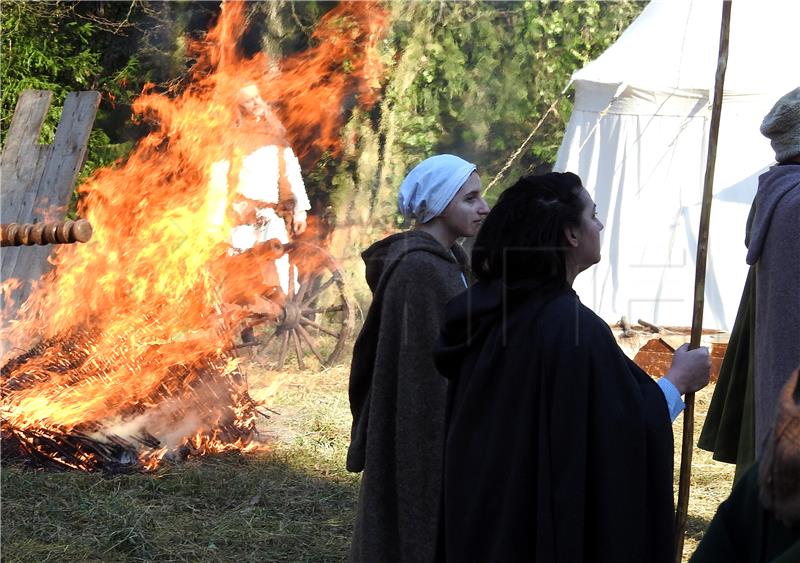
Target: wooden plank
{"points": [[42, 181], [68, 151], [21, 161], [21, 165]]}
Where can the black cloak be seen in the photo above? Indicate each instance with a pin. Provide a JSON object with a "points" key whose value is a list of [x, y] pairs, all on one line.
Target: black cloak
{"points": [[558, 447]]}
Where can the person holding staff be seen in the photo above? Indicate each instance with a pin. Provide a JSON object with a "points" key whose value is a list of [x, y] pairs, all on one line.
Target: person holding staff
{"points": [[558, 447]]}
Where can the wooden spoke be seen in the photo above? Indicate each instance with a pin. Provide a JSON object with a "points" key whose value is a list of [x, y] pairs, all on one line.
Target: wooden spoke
{"points": [[298, 350], [269, 339], [319, 290], [283, 349], [292, 289], [304, 283], [305, 321], [318, 310], [310, 343]]}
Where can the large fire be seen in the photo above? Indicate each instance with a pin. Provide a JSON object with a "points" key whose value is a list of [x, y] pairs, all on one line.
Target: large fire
{"points": [[127, 344]]}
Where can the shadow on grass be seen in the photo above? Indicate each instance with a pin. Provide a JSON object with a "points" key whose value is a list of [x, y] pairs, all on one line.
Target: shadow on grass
{"points": [[696, 527], [274, 506]]}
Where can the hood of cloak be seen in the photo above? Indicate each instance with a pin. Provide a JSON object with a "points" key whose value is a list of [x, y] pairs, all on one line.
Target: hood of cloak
{"points": [[776, 185]]}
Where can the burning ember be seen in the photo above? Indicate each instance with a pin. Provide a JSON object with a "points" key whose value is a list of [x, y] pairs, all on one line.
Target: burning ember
{"points": [[127, 345]]}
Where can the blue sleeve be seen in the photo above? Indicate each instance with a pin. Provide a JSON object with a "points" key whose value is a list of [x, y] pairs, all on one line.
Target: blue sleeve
{"points": [[674, 402]]}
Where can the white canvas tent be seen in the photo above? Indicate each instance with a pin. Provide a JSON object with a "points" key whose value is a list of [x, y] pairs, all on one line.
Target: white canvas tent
{"points": [[638, 138]]}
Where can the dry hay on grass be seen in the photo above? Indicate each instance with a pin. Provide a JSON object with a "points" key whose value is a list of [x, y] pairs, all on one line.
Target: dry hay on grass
{"points": [[294, 502], [711, 480]]}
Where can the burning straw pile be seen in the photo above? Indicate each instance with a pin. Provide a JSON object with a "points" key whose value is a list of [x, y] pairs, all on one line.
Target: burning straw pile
{"points": [[134, 357], [199, 405]]}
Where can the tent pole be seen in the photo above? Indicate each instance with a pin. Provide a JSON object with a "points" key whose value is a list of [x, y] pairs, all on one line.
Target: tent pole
{"points": [[687, 445]]}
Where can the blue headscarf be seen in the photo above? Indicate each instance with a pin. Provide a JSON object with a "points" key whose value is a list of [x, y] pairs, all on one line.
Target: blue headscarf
{"points": [[431, 185]]}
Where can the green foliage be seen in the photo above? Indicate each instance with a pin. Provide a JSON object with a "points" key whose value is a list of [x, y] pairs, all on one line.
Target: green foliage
{"points": [[42, 50], [66, 46], [484, 73]]}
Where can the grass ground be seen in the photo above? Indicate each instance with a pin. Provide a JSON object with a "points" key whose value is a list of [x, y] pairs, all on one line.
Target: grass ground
{"points": [[711, 480], [294, 501]]}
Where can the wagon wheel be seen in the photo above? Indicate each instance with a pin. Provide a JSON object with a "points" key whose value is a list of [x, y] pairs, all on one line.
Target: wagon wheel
{"points": [[317, 314]]}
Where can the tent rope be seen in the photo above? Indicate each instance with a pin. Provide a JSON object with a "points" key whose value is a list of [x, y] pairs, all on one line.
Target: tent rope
{"points": [[517, 152]]}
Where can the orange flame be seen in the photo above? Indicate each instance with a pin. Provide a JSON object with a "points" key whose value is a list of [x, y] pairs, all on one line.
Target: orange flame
{"points": [[140, 303]]}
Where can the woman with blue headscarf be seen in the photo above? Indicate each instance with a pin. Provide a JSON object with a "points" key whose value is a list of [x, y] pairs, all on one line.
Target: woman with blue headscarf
{"points": [[397, 397]]}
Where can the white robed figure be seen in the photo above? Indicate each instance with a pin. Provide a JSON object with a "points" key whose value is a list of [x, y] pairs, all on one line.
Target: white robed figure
{"points": [[270, 198]]}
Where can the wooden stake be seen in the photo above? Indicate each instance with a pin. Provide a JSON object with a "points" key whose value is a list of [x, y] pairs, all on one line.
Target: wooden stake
{"points": [[687, 445]]}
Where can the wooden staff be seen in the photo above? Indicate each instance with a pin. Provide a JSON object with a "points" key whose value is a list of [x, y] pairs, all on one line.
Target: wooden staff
{"points": [[687, 445]]}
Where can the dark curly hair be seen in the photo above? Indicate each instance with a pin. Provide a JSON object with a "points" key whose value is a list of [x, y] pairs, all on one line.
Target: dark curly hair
{"points": [[522, 238]]}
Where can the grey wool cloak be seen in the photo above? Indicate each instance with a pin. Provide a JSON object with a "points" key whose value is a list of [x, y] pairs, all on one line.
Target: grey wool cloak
{"points": [[774, 251], [765, 341], [397, 397]]}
